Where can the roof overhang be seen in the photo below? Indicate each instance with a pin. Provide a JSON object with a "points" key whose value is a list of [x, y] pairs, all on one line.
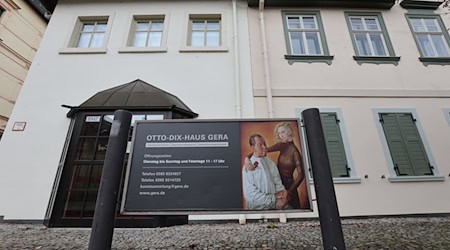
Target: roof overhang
{"points": [[421, 4], [49, 4], [372, 4]]}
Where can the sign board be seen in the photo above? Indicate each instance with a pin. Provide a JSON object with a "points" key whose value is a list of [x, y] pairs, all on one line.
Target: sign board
{"points": [[186, 166]]}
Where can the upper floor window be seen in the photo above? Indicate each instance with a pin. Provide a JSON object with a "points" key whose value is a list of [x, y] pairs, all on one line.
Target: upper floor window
{"points": [[370, 38], [90, 35], [147, 33], [430, 35], [304, 35], [204, 32], [305, 39]]}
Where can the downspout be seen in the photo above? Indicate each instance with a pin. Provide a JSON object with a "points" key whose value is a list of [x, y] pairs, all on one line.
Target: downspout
{"points": [[266, 60], [237, 82]]}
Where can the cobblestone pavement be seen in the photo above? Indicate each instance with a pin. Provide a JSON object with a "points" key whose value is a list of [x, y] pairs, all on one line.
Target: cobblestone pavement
{"points": [[384, 233]]}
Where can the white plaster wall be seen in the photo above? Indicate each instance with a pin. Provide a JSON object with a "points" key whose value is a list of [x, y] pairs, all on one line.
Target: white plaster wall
{"points": [[203, 81], [375, 195], [356, 90], [344, 74]]}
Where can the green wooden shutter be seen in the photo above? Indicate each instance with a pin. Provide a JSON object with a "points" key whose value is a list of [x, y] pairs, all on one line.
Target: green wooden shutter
{"points": [[335, 145], [407, 151]]}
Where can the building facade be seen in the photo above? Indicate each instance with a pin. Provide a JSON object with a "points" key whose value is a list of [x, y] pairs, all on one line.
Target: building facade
{"points": [[21, 30], [375, 69], [378, 74], [178, 60]]}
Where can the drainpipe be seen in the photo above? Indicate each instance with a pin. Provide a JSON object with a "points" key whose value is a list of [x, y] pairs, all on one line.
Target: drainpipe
{"points": [[265, 59], [237, 82]]}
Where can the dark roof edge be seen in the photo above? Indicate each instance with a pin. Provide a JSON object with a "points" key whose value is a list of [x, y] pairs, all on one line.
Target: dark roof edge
{"points": [[377, 4], [49, 4], [74, 110], [410, 4], [40, 9]]}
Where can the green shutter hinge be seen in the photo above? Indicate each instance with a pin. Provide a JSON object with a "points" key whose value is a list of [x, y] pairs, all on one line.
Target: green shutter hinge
{"points": [[397, 170], [338, 121], [381, 119]]}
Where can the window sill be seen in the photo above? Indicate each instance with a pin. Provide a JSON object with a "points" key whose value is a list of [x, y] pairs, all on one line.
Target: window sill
{"points": [[415, 178], [308, 59], [346, 180], [204, 49], [435, 60], [143, 50], [82, 51], [377, 59], [341, 180]]}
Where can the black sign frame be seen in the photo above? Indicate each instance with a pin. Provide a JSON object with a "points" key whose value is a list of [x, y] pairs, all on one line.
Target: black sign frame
{"points": [[261, 126]]}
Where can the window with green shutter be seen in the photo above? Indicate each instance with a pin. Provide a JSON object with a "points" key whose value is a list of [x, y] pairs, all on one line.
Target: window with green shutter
{"points": [[405, 145], [335, 145]]}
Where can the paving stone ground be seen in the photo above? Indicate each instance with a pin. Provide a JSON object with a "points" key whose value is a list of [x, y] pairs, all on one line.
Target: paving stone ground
{"points": [[381, 233]]}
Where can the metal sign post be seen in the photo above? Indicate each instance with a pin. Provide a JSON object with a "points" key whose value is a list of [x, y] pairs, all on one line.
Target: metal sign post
{"points": [[105, 207], [330, 222]]}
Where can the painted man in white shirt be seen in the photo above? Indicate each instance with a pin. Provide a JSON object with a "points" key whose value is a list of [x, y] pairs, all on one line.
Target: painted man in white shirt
{"points": [[263, 188]]}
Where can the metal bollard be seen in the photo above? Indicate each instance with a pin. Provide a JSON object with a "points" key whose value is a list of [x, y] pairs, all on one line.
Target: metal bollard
{"points": [[105, 207]]}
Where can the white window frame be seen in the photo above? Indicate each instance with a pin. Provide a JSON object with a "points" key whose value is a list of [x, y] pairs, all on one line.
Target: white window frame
{"points": [[353, 178], [128, 48], [367, 33], [303, 34], [74, 35], [442, 31], [186, 47], [393, 177]]}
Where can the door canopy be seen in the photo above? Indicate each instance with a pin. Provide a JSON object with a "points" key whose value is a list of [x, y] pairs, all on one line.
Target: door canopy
{"points": [[133, 96]]}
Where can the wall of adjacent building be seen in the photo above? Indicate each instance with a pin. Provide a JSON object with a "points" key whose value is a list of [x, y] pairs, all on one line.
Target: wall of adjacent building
{"points": [[358, 92], [204, 81], [21, 30]]}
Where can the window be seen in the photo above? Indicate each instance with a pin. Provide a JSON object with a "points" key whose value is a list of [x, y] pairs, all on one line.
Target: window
{"points": [[204, 32], [305, 39], [148, 33], [335, 145], [406, 148], [338, 147], [90, 35], [431, 37], [370, 38], [304, 36]]}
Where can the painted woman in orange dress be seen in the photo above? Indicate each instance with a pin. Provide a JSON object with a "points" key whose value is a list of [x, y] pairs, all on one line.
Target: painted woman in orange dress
{"points": [[289, 160]]}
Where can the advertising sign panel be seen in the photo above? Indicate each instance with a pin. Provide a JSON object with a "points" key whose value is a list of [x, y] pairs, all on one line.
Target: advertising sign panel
{"points": [[186, 166]]}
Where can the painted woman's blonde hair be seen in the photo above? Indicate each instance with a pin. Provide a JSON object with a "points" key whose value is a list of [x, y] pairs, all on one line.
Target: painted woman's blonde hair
{"points": [[283, 124]]}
